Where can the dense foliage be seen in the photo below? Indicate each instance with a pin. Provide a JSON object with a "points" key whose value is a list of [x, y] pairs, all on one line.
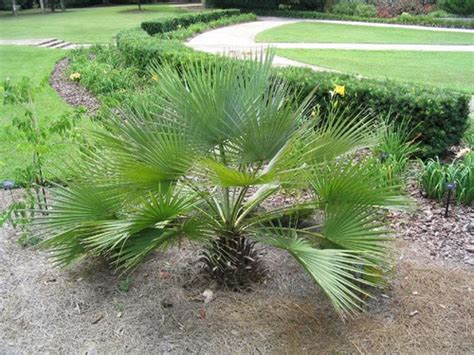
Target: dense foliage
{"points": [[406, 19], [169, 24], [355, 8], [458, 7], [439, 117], [436, 178]]}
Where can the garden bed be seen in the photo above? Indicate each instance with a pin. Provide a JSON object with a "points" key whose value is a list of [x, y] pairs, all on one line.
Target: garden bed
{"points": [[88, 308]]}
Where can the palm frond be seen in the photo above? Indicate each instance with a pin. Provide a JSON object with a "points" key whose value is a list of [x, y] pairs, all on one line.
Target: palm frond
{"points": [[334, 270]]}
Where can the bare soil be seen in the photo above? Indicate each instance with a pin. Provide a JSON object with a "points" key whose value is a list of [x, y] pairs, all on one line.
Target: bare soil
{"points": [[426, 307]]}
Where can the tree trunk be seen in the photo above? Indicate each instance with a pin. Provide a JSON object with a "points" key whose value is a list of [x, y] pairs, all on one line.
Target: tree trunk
{"points": [[139, 5], [14, 8], [53, 5], [41, 2], [63, 6]]}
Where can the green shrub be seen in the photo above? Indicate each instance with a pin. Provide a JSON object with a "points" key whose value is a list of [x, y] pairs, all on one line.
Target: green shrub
{"points": [[438, 116], [173, 23], [458, 7], [436, 176], [438, 14], [411, 20], [355, 8], [186, 32]]}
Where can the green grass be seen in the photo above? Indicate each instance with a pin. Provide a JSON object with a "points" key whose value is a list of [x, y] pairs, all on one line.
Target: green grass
{"points": [[304, 32], [36, 63], [88, 25], [453, 70]]}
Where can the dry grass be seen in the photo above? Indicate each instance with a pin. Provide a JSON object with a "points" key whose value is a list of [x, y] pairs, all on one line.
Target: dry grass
{"points": [[48, 310]]}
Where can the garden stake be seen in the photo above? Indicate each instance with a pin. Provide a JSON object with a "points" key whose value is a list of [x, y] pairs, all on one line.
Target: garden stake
{"points": [[451, 186]]}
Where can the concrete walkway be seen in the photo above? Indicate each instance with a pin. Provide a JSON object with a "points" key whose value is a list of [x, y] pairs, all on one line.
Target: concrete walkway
{"points": [[42, 42], [240, 39]]}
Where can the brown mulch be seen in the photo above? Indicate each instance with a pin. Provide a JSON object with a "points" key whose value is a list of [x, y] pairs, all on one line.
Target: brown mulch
{"points": [[73, 93]]}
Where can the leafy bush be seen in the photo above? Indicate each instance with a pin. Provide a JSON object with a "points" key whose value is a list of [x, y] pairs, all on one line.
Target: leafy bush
{"points": [[355, 8], [436, 176], [438, 14], [412, 20], [458, 7], [241, 132], [173, 23]]}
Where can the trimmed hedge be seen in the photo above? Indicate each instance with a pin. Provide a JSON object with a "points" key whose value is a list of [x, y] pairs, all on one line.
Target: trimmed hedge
{"points": [[403, 20], [169, 24], [439, 117]]}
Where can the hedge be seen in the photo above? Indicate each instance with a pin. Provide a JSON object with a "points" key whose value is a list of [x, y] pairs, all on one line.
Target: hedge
{"points": [[402, 19], [440, 115], [174, 23]]}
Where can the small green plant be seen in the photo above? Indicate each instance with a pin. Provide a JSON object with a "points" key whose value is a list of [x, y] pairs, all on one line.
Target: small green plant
{"points": [[124, 284], [397, 145], [120, 307], [37, 138], [436, 176]]}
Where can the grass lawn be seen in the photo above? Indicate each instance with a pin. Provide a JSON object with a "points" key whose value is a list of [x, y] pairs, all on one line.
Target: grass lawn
{"points": [[306, 32], [453, 70], [88, 25], [36, 63]]}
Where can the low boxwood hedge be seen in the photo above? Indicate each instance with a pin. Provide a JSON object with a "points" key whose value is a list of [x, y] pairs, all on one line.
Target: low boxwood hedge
{"points": [[402, 19], [439, 115], [173, 23]]}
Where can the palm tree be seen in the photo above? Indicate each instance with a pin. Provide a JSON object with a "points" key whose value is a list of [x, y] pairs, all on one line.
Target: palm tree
{"points": [[197, 162]]}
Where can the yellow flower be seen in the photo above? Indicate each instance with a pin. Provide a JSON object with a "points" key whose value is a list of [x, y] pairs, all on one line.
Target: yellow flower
{"points": [[154, 77], [75, 76], [340, 90]]}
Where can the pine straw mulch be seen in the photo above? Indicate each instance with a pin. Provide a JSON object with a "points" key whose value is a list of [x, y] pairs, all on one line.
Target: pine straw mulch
{"points": [[426, 308]]}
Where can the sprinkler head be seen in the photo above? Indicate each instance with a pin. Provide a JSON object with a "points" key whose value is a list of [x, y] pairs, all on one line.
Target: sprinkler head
{"points": [[8, 184]]}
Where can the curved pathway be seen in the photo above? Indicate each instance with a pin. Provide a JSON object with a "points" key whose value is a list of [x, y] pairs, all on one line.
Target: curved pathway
{"points": [[239, 40]]}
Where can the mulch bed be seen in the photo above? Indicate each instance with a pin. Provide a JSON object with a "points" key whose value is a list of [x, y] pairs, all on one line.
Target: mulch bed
{"points": [[73, 93]]}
